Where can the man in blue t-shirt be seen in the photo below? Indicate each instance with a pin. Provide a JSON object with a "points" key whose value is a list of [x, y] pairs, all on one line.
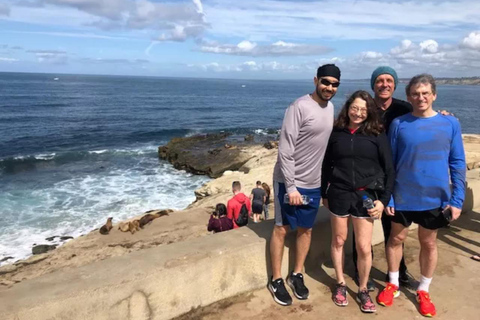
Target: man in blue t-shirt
{"points": [[428, 153]]}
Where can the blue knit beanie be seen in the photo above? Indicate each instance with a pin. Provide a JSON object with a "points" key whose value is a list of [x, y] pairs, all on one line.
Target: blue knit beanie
{"points": [[383, 70]]}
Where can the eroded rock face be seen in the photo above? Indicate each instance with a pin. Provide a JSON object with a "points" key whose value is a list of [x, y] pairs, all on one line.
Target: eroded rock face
{"points": [[210, 154]]}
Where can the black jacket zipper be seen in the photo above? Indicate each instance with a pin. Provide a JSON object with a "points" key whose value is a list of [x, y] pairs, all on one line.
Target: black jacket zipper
{"points": [[353, 162]]}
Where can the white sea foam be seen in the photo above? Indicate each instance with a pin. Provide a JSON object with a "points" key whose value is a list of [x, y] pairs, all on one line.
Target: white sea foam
{"points": [[80, 204], [98, 151], [45, 156], [194, 132], [261, 131]]}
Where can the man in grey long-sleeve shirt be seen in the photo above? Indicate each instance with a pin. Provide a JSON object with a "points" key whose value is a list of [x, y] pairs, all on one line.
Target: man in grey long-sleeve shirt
{"points": [[306, 128]]}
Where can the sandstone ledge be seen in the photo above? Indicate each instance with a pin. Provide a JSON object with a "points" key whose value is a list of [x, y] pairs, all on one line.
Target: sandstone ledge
{"points": [[182, 226]]}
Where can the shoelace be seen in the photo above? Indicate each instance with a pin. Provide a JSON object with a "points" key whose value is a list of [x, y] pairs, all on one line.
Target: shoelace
{"points": [[299, 281], [390, 288], [365, 297], [424, 298], [341, 290], [280, 286]]}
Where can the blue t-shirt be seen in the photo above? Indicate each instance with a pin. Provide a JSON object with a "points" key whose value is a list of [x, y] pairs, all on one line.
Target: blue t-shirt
{"points": [[427, 154]]}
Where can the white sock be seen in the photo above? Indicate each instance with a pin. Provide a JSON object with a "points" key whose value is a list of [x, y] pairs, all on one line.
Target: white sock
{"points": [[424, 284], [393, 277]]}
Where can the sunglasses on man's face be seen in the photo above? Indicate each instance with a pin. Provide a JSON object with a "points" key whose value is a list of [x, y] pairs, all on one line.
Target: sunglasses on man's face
{"points": [[326, 83]]}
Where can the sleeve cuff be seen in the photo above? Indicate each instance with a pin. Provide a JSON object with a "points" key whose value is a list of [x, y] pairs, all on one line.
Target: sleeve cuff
{"points": [[456, 204], [291, 189], [391, 203]]}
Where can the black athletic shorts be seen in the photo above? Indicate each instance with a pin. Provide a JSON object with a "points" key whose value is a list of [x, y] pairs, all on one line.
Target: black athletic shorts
{"points": [[257, 207], [429, 219], [344, 203]]}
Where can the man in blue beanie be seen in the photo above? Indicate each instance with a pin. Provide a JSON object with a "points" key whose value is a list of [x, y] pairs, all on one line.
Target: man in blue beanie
{"points": [[383, 82]]}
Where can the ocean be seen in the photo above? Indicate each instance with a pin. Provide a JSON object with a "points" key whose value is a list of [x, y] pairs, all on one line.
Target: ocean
{"points": [[76, 149]]}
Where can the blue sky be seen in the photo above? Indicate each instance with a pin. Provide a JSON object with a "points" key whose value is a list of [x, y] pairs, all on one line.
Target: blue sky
{"points": [[246, 39]]}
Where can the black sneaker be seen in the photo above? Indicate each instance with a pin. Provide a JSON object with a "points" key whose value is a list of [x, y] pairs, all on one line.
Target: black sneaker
{"points": [[370, 283], [279, 292], [298, 286]]}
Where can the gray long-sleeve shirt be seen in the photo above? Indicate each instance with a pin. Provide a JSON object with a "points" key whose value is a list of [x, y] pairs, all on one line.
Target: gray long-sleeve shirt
{"points": [[303, 140]]}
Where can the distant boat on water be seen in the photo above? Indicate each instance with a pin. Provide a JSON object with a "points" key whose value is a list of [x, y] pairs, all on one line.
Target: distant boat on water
{"points": [[244, 85], [56, 79]]}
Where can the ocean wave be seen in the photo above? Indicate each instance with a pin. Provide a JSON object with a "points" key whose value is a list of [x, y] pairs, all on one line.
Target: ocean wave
{"points": [[12, 165], [20, 163], [81, 203], [160, 134]]}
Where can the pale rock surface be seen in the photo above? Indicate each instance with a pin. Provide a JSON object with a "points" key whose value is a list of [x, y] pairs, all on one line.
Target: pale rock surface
{"points": [[178, 226]]}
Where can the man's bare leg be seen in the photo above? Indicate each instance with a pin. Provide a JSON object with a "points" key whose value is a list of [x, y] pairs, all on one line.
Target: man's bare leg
{"points": [[304, 238], [428, 256], [394, 246], [277, 242]]}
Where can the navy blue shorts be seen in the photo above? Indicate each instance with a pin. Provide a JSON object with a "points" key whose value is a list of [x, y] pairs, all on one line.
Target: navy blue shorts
{"points": [[296, 216]]}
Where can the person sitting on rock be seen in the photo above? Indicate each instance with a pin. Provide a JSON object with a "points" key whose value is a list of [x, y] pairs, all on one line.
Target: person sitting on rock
{"points": [[234, 205], [258, 198], [218, 219]]}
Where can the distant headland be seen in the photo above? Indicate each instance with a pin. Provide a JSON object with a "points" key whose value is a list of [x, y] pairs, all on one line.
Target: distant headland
{"points": [[467, 81]]}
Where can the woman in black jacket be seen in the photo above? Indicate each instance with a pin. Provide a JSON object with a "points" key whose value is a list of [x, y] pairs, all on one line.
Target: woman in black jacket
{"points": [[357, 165]]}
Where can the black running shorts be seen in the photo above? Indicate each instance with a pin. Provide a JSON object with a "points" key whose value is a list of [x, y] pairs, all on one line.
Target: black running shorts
{"points": [[343, 203], [429, 219]]}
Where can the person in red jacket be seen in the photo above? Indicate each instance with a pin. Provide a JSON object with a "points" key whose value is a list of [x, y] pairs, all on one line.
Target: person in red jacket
{"points": [[235, 204]]}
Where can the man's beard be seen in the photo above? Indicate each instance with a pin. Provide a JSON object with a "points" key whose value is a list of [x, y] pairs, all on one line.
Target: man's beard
{"points": [[320, 95]]}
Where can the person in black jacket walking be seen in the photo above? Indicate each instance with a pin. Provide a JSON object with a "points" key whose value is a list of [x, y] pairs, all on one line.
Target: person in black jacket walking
{"points": [[358, 163]]}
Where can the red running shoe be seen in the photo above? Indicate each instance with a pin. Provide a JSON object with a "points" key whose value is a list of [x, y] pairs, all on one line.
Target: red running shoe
{"points": [[385, 298], [427, 308]]}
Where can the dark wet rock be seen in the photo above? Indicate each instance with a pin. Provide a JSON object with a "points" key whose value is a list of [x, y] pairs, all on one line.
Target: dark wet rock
{"points": [[5, 259], [61, 238], [205, 154], [42, 248], [271, 144], [249, 137]]}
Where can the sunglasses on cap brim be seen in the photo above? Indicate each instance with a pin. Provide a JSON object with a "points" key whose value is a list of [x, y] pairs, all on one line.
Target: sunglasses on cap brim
{"points": [[325, 82]]}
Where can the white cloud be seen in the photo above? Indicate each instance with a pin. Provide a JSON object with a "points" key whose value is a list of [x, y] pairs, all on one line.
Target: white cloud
{"points": [[371, 55], [408, 58], [114, 61], [330, 19], [3, 59], [4, 9], [279, 48], [176, 21], [50, 56], [429, 46], [405, 47], [181, 33], [111, 9], [472, 41], [248, 66], [86, 35]]}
